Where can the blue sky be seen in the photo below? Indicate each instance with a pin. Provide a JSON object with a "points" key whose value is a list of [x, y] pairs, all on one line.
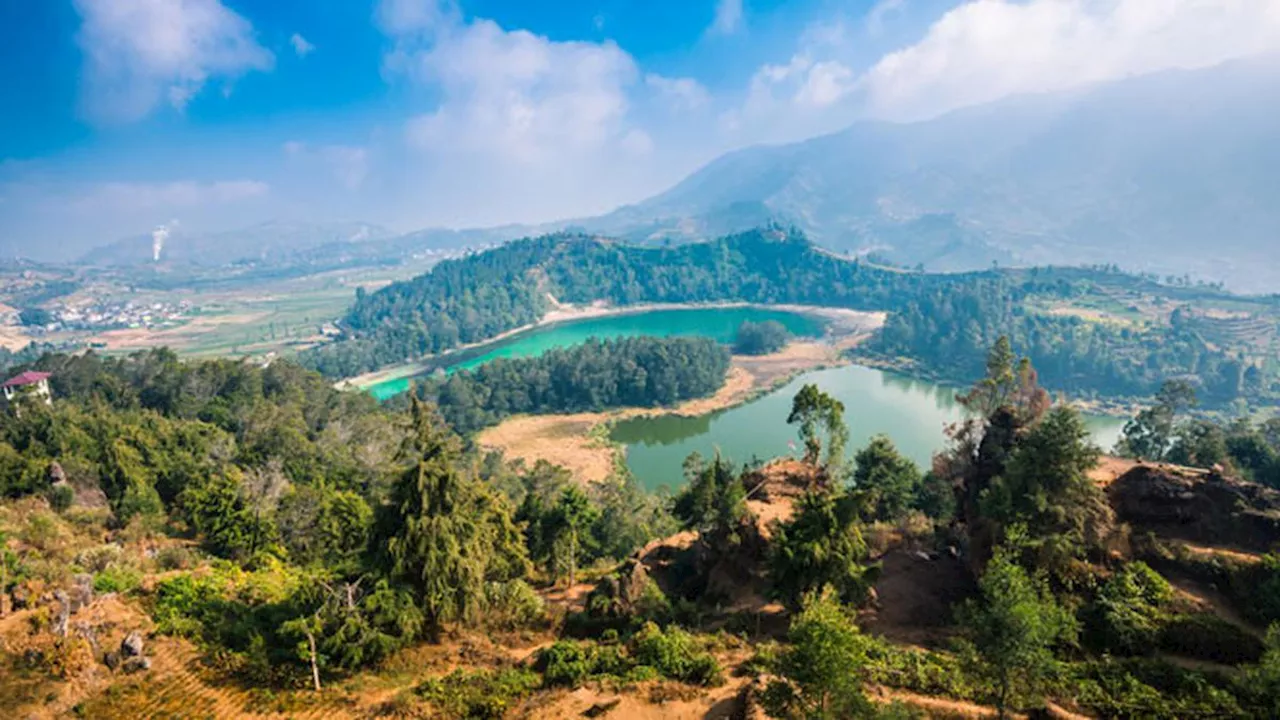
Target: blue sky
{"points": [[121, 115]]}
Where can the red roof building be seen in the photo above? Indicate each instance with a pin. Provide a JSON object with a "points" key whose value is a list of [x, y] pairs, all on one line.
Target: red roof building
{"points": [[27, 384], [30, 377]]}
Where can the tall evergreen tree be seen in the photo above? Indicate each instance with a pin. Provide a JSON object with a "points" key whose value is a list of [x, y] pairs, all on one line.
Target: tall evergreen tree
{"points": [[445, 534]]}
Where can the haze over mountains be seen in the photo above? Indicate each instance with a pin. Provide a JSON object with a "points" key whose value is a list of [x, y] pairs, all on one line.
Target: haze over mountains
{"points": [[1176, 172], [1172, 173]]}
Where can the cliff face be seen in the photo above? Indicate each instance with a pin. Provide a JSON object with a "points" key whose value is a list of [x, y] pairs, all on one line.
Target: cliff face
{"points": [[1197, 506]]}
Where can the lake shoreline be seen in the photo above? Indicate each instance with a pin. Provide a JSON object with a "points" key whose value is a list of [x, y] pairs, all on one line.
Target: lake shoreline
{"points": [[580, 442], [1117, 407], [841, 321]]}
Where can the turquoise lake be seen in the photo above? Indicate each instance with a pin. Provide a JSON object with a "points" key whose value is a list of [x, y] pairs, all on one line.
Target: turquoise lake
{"points": [[720, 324], [913, 413]]}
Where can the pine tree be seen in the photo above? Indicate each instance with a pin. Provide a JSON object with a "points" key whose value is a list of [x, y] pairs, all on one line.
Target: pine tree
{"points": [[445, 534]]}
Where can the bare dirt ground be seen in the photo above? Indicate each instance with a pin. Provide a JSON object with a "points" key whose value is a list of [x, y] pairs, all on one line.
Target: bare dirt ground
{"points": [[190, 333], [915, 597], [12, 337], [1110, 468], [658, 701]]}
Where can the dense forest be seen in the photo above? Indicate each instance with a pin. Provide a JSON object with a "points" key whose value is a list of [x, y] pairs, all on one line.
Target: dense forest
{"points": [[300, 539], [940, 324], [593, 376], [946, 332]]}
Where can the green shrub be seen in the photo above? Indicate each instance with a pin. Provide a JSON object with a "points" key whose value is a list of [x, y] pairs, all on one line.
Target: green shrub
{"points": [[1148, 688], [1205, 636], [1256, 588], [174, 557], [60, 497], [1126, 616], [923, 671], [566, 663], [116, 580], [483, 695], [674, 654], [97, 559], [513, 605]]}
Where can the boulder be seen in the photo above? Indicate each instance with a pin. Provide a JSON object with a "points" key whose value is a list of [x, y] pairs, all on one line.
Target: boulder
{"points": [[112, 660], [132, 646], [616, 595], [81, 593], [136, 664]]}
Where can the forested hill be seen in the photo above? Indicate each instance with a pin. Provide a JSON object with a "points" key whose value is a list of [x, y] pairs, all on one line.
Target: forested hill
{"points": [[475, 298], [1092, 331]]}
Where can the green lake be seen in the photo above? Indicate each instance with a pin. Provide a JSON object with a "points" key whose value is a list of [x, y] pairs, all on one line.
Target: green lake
{"points": [[720, 324], [912, 413]]}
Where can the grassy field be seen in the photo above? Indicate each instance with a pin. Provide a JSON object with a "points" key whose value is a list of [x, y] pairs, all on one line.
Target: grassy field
{"points": [[239, 319]]}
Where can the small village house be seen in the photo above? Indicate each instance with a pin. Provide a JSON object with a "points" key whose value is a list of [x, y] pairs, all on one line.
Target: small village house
{"points": [[30, 384]]}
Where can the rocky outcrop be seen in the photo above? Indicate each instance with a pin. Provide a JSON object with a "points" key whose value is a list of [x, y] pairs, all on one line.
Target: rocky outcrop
{"points": [[617, 595], [1198, 506], [81, 593], [132, 645]]}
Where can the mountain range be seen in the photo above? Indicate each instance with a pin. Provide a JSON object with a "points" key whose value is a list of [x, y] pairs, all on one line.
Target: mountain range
{"points": [[1173, 173]]}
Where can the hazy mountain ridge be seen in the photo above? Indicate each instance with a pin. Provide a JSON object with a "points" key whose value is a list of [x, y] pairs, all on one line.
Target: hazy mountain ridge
{"points": [[1171, 173], [1145, 172], [270, 241]]}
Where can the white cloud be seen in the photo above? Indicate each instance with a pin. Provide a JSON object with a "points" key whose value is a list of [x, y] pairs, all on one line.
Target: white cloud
{"points": [[402, 18], [728, 18], [138, 52], [136, 196], [637, 142], [678, 93], [300, 45], [825, 84], [988, 49], [513, 94], [802, 84]]}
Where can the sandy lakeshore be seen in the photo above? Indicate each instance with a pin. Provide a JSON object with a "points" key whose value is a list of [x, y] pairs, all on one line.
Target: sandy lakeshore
{"points": [[843, 323], [576, 442]]}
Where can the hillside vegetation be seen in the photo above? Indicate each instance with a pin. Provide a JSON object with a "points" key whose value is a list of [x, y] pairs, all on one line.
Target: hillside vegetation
{"points": [[1126, 336], [238, 541]]}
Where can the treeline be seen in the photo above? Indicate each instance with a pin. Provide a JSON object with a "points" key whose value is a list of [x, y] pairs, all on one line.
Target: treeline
{"points": [[942, 323], [150, 428], [1168, 432], [946, 332], [479, 296], [593, 376]]}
